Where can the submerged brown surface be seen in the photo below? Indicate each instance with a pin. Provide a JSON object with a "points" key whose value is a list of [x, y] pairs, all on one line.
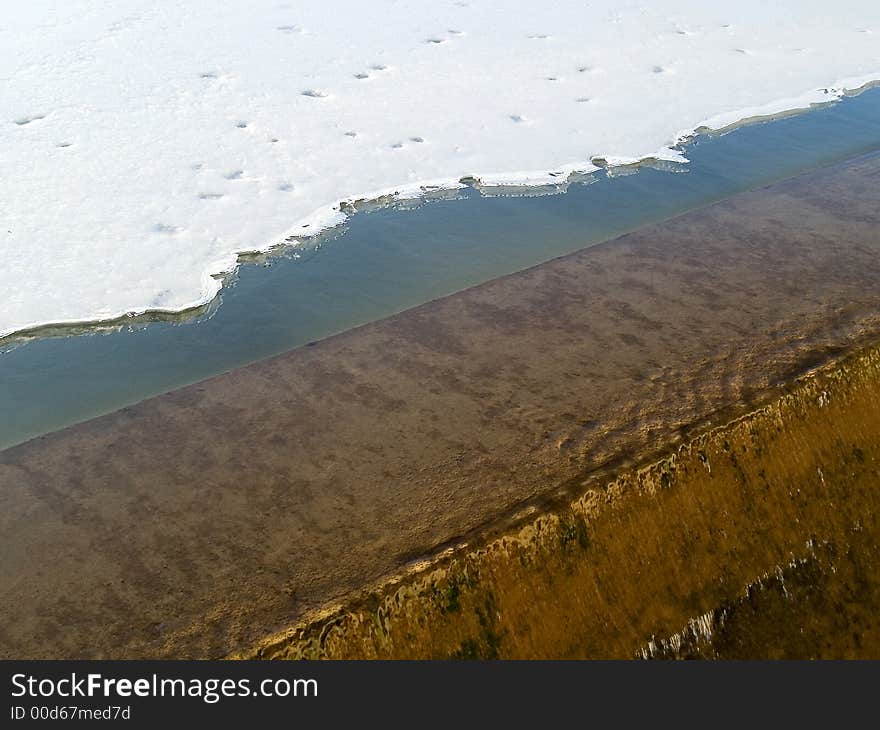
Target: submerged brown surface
{"points": [[196, 522], [757, 539]]}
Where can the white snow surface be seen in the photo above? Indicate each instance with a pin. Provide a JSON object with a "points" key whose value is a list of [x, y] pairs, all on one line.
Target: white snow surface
{"points": [[144, 144]]}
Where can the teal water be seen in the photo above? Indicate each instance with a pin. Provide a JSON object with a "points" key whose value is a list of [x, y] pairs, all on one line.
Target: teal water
{"points": [[390, 259]]}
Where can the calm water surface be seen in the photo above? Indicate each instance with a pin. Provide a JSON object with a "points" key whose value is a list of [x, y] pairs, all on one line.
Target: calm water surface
{"points": [[389, 260]]}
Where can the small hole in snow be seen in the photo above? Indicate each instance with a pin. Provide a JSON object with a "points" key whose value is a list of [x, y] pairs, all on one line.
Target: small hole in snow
{"points": [[27, 120]]}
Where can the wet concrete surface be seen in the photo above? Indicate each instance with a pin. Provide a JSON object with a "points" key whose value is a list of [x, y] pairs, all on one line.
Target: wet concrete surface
{"points": [[195, 522]]}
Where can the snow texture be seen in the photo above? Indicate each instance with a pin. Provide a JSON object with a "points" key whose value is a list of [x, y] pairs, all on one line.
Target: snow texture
{"points": [[144, 144]]}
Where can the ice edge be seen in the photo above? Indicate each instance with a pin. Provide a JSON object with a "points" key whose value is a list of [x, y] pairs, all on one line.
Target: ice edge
{"points": [[332, 215]]}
